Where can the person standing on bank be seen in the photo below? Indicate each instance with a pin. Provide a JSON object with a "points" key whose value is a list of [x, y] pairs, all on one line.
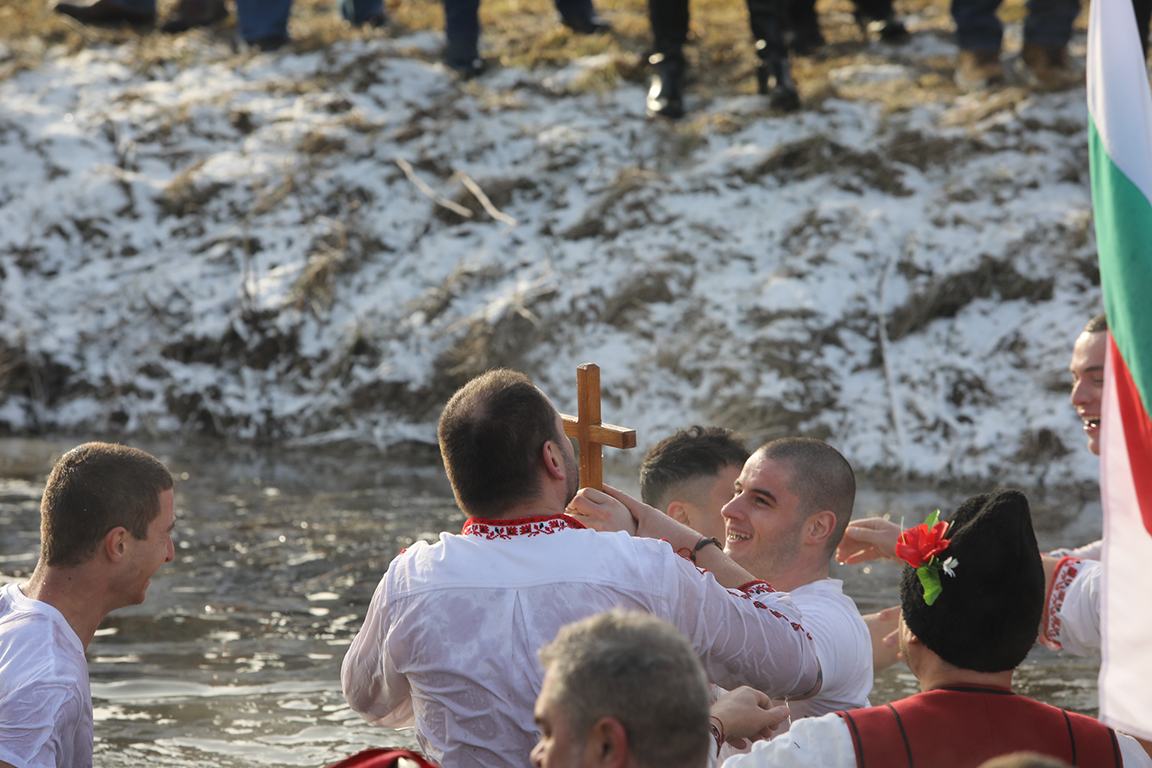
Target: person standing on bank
{"points": [[669, 19], [462, 28], [106, 527]]}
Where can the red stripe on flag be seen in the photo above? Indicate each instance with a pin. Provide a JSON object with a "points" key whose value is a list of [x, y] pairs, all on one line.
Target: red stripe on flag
{"points": [[1137, 433]]}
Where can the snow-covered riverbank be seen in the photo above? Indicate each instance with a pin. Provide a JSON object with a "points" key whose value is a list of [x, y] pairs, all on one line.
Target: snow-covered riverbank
{"points": [[235, 246]]}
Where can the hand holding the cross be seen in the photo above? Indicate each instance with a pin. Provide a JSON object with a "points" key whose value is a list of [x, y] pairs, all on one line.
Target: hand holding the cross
{"points": [[601, 512]]}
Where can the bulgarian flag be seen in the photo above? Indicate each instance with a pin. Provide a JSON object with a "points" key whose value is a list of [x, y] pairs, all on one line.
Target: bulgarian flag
{"points": [[1120, 145]]}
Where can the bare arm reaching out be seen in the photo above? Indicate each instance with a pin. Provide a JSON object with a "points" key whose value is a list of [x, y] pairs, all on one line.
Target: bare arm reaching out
{"points": [[614, 510], [869, 539]]}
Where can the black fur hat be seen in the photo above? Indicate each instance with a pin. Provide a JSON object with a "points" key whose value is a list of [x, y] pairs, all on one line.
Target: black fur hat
{"points": [[987, 615]]}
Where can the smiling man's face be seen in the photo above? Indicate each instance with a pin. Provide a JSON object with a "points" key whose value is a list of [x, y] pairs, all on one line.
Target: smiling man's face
{"points": [[1087, 369], [763, 522]]}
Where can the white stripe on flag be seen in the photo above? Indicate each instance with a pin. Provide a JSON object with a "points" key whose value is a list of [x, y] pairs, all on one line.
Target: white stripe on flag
{"points": [[1118, 96], [1126, 610]]}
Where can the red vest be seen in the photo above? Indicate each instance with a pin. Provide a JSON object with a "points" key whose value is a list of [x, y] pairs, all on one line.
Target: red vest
{"points": [[383, 758], [962, 726]]}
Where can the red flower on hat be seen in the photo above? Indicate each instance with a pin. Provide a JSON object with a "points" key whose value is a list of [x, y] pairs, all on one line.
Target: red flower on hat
{"points": [[919, 545]]}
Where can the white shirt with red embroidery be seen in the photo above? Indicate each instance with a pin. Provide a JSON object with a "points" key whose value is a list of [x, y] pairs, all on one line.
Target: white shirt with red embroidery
{"points": [[1072, 611], [843, 646], [451, 635]]}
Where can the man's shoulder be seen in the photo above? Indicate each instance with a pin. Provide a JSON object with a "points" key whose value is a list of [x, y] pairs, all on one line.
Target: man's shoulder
{"points": [[36, 641], [509, 553], [825, 598]]}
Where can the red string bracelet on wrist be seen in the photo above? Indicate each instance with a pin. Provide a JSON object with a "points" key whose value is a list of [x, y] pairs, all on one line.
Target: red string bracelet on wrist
{"points": [[717, 732]]}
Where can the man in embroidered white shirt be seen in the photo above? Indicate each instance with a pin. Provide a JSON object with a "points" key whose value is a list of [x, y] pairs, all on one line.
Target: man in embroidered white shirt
{"points": [[451, 635]]}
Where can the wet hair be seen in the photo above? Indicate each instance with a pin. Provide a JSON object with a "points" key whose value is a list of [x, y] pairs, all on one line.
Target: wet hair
{"points": [[491, 435], [94, 488], [690, 454], [1098, 324], [641, 671], [821, 479]]}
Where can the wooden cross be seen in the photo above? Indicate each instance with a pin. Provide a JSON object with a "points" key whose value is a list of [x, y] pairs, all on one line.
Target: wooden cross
{"points": [[590, 432]]}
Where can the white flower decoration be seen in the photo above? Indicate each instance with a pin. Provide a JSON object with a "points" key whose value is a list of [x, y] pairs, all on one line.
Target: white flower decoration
{"points": [[950, 565]]}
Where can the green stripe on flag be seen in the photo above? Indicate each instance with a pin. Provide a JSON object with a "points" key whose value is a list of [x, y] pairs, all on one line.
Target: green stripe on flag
{"points": [[1124, 239]]}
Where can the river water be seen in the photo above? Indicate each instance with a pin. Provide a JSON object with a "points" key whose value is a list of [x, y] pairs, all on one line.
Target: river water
{"points": [[234, 658]]}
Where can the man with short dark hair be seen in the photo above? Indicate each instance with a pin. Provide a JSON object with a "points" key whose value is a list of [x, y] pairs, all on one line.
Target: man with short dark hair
{"points": [[450, 638], [689, 476], [792, 503], [106, 527], [971, 594], [1071, 619]]}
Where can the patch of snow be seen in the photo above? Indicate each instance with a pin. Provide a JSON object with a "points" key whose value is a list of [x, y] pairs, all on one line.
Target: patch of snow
{"points": [[235, 248]]}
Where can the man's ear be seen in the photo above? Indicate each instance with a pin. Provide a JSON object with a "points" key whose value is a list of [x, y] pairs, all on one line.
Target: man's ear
{"points": [[116, 543], [553, 456], [607, 745], [820, 527], [678, 511]]}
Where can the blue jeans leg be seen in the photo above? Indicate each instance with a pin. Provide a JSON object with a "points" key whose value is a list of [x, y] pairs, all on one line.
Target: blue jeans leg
{"points": [[1049, 22], [262, 19], [360, 11], [977, 28], [462, 28]]}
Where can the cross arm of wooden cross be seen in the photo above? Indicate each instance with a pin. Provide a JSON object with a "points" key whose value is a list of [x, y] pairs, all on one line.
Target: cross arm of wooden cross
{"points": [[590, 432]]}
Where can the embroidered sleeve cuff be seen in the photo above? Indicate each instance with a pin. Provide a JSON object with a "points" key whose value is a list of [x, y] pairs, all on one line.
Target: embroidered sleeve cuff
{"points": [[1066, 571]]}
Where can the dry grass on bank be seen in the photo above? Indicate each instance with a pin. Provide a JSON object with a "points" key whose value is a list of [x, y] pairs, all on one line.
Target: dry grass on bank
{"points": [[525, 33]]}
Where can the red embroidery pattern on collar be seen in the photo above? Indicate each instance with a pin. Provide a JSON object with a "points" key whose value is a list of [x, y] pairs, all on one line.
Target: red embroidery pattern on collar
{"points": [[523, 526], [1066, 571]]}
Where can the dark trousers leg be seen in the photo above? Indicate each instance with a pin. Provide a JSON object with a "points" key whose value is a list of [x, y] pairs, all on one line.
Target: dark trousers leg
{"points": [[669, 20], [462, 28], [575, 9], [802, 15], [874, 9], [977, 28], [262, 19], [1049, 22], [769, 21]]}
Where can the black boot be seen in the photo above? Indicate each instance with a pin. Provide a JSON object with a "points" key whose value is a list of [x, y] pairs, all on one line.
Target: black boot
{"points": [[889, 28], [774, 79], [592, 24], [462, 56], [666, 93]]}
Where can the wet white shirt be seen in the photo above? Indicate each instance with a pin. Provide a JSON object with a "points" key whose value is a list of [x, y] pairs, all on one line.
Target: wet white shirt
{"points": [[451, 635], [1072, 612], [843, 645], [45, 698]]}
